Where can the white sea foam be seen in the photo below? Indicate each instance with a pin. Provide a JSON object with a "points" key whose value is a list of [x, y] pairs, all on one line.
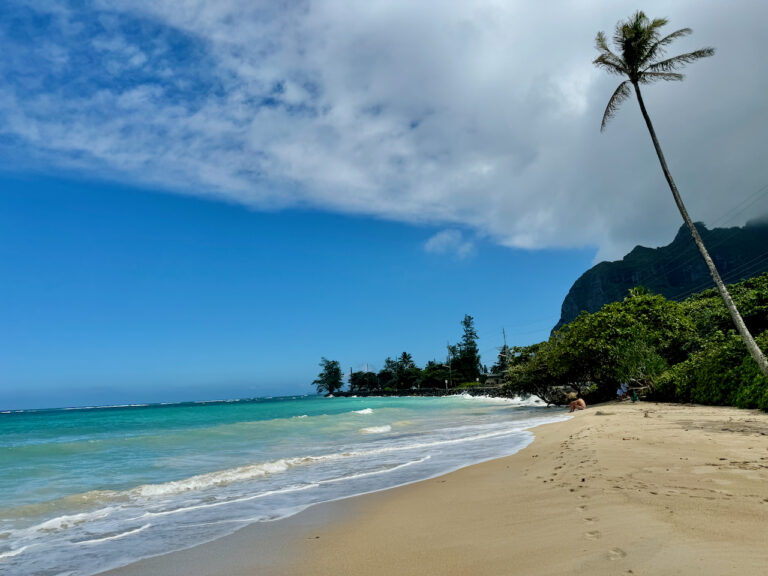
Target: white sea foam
{"points": [[262, 469], [226, 477], [516, 400], [12, 553], [376, 472], [530, 401], [69, 520], [211, 479], [233, 501], [115, 536], [376, 429], [214, 489]]}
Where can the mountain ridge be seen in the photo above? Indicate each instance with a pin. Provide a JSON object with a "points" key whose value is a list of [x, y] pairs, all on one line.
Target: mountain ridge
{"points": [[675, 271]]}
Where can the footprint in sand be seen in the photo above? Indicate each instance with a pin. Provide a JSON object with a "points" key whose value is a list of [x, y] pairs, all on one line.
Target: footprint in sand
{"points": [[616, 554], [593, 535], [589, 520]]}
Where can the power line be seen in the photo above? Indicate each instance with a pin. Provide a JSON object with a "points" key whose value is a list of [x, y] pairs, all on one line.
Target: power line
{"points": [[682, 260]]}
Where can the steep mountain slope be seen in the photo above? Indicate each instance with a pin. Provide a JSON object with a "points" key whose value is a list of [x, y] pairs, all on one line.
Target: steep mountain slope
{"points": [[675, 271]]}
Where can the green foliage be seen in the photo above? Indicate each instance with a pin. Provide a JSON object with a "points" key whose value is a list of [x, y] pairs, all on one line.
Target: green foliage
{"points": [[363, 382], [434, 375], [465, 357], [710, 315], [502, 362], [721, 373], [468, 385], [386, 376], [402, 375], [535, 370], [735, 250], [329, 379], [640, 57], [625, 343]]}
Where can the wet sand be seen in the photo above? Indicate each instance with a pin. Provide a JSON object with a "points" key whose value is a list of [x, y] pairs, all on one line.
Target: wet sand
{"points": [[618, 489]]}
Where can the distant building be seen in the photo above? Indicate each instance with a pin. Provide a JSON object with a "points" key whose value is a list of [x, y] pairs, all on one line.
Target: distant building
{"points": [[494, 380]]}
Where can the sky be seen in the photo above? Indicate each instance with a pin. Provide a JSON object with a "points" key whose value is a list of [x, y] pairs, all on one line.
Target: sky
{"points": [[200, 199]]}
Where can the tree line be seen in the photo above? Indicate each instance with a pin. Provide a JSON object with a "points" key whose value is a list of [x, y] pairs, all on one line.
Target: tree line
{"points": [[661, 349], [462, 368], [664, 350]]}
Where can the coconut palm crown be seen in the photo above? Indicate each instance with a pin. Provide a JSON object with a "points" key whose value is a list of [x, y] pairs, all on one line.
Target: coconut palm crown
{"points": [[642, 59]]}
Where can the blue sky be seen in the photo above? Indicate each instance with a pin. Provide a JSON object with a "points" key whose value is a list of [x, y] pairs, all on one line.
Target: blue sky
{"points": [[124, 295], [199, 199]]}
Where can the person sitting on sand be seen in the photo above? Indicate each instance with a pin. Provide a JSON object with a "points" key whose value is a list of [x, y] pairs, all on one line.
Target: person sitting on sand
{"points": [[578, 404]]}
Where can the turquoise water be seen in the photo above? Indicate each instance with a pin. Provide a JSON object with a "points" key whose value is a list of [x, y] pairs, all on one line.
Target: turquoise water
{"points": [[83, 490]]}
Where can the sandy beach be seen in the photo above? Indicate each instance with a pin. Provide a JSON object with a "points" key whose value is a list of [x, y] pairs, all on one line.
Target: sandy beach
{"points": [[618, 489]]}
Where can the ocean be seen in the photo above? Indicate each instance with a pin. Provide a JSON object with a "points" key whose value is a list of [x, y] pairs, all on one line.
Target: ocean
{"points": [[84, 490]]}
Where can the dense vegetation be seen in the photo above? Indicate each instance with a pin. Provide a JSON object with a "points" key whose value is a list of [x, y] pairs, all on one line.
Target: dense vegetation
{"points": [[401, 375], [666, 350], [662, 349]]}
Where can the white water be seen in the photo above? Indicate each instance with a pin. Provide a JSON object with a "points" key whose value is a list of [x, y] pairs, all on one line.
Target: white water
{"points": [[172, 478]]}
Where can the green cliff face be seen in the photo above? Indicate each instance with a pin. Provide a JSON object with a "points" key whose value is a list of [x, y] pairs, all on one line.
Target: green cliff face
{"points": [[675, 271]]}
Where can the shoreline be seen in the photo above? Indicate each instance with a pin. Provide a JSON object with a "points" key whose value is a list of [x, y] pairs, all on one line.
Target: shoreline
{"points": [[618, 489]]}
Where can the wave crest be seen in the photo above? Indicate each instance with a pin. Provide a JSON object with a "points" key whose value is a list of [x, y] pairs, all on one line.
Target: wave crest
{"points": [[376, 429]]}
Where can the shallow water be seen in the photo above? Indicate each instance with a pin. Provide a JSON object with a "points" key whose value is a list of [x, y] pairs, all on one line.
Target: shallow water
{"points": [[84, 490]]}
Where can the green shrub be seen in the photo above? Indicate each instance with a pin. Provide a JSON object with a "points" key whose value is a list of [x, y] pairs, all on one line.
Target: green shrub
{"points": [[466, 385], [722, 373], [753, 386]]}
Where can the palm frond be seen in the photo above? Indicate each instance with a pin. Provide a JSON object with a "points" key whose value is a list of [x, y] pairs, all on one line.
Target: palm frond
{"points": [[629, 28], [611, 63], [676, 62], [649, 77], [620, 95], [601, 43], [657, 49], [657, 23], [640, 45], [607, 59]]}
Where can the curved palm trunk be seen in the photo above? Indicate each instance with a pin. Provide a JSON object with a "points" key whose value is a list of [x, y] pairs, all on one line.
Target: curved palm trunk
{"points": [[752, 346]]}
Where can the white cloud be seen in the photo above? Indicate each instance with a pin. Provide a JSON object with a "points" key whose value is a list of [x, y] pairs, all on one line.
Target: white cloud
{"points": [[481, 114], [450, 242]]}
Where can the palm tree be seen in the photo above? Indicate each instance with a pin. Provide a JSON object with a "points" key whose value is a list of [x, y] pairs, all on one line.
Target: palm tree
{"points": [[641, 60]]}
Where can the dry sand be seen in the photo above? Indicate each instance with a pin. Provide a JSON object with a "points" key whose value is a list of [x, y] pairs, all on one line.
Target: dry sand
{"points": [[619, 489]]}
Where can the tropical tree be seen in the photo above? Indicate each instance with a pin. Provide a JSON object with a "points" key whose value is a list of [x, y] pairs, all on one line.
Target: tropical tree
{"points": [[502, 362], [387, 376], [466, 354], [329, 380], [363, 381], [435, 375], [407, 374], [641, 59]]}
